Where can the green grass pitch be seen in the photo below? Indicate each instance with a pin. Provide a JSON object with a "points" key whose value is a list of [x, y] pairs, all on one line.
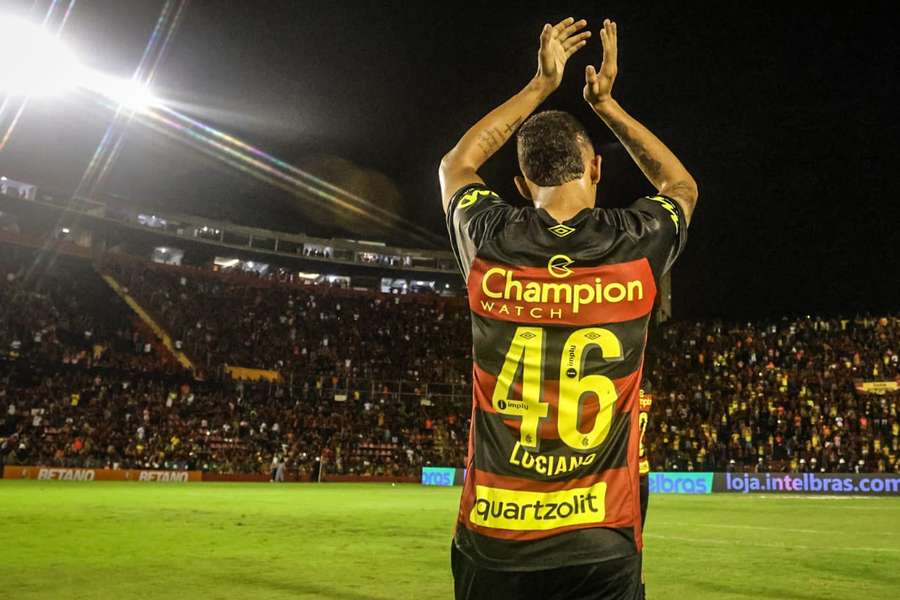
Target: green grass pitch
{"points": [[111, 540]]}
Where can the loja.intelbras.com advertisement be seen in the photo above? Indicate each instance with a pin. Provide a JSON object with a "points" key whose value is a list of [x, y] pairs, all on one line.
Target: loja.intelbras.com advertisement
{"points": [[857, 484]]}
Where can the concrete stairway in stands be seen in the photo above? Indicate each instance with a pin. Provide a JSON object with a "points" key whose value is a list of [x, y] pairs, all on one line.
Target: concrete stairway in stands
{"points": [[161, 333]]}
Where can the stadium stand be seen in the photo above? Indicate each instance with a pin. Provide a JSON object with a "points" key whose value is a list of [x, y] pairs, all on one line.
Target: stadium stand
{"points": [[56, 310], [312, 330], [776, 396], [378, 384]]}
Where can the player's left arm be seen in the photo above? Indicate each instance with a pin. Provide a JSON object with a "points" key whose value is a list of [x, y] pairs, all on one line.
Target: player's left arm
{"points": [[460, 165], [661, 167]]}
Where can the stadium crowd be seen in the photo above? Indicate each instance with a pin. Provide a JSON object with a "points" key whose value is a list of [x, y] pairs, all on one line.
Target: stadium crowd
{"points": [[305, 330], [56, 309], [74, 417], [776, 396], [375, 384]]}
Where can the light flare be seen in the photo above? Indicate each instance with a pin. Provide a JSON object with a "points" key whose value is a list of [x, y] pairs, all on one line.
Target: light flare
{"points": [[33, 61]]}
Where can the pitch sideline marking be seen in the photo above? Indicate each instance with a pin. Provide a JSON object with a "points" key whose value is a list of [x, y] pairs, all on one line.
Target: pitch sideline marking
{"points": [[759, 545], [751, 527], [764, 528]]}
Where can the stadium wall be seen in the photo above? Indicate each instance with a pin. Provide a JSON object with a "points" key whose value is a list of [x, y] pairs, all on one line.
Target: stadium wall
{"points": [[850, 484], [46, 473]]}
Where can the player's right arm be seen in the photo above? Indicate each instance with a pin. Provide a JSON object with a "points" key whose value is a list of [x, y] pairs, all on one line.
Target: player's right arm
{"points": [[657, 162]]}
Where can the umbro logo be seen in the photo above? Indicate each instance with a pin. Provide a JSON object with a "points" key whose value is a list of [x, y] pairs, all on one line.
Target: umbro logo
{"points": [[561, 230]]}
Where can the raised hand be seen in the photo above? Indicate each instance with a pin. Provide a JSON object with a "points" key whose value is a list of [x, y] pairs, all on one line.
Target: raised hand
{"points": [[598, 86], [558, 43]]}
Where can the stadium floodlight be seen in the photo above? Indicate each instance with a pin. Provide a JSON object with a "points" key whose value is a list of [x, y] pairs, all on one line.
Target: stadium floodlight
{"points": [[33, 62], [126, 92]]}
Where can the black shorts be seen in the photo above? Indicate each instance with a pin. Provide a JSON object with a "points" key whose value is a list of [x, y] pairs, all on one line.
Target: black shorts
{"points": [[645, 498], [618, 579]]}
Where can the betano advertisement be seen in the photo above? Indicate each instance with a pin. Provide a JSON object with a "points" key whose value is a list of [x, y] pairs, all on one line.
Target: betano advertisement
{"points": [[73, 474]]}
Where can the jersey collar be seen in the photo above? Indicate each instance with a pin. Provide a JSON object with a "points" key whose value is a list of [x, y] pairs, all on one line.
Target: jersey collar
{"points": [[571, 222]]}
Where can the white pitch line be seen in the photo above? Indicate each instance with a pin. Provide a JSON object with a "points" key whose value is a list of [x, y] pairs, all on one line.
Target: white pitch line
{"points": [[764, 528], [759, 545], [751, 527], [834, 499]]}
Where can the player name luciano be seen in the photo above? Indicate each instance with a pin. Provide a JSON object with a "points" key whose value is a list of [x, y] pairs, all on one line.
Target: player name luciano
{"points": [[548, 464], [501, 284]]}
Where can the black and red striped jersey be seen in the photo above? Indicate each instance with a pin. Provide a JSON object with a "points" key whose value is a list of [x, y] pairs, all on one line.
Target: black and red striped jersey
{"points": [[559, 325]]}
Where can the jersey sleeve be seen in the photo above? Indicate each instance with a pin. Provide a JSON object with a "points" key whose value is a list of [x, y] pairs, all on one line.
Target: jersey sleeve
{"points": [[659, 223], [474, 215]]}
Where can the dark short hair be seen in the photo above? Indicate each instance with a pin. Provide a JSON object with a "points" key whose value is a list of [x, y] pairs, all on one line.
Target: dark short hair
{"points": [[549, 145]]}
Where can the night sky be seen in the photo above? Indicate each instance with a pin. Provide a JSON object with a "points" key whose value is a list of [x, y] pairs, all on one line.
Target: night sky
{"points": [[785, 116]]}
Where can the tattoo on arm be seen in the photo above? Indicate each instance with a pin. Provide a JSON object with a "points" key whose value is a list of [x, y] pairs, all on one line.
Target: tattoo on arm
{"points": [[489, 140], [650, 166], [492, 138], [511, 127]]}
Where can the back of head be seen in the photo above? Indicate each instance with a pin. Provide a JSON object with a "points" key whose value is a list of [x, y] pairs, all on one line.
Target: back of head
{"points": [[552, 148]]}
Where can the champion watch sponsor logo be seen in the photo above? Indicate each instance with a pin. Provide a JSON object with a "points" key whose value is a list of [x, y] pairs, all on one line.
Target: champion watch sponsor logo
{"points": [[558, 266], [561, 230], [561, 293]]}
